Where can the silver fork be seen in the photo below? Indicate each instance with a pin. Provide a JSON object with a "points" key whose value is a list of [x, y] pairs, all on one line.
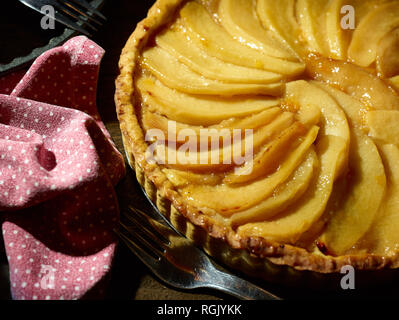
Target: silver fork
{"points": [[176, 261], [75, 14]]}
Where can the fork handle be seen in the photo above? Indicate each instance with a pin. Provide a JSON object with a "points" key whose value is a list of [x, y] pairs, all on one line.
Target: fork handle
{"points": [[238, 287]]}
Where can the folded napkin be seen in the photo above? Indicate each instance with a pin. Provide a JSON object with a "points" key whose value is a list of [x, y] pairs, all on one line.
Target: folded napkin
{"points": [[58, 168]]}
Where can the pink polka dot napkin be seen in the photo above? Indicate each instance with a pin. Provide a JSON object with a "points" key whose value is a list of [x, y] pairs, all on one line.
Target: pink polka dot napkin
{"points": [[58, 168]]}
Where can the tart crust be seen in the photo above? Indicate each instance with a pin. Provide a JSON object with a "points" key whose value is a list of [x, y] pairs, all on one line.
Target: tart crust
{"points": [[174, 206]]}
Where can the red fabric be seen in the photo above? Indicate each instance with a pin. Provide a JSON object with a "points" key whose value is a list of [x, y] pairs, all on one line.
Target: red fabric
{"points": [[58, 168]]}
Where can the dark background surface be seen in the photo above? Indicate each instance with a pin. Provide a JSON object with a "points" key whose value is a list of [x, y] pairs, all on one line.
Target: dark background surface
{"points": [[129, 278]]}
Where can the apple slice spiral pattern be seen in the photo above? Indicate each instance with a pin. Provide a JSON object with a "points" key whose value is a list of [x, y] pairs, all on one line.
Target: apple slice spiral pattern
{"points": [[318, 100]]}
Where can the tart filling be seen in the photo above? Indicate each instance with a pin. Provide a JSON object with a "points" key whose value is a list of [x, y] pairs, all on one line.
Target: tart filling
{"points": [[301, 113]]}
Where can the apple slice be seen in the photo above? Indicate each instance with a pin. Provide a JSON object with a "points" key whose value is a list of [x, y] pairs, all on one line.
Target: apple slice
{"points": [[178, 76], [353, 80], [154, 120], [309, 115], [333, 120], [307, 95], [224, 156], [383, 125], [383, 236], [291, 223], [364, 7], [268, 159], [239, 18], [226, 199], [198, 110], [358, 211], [367, 188], [387, 55], [394, 82], [279, 17], [272, 130], [180, 178], [252, 122], [309, 238], [284, 196], [337, 38], [332, 149], [217, 42], [354, 110], [179, 44], [171, 129], [365, 41], [380, 123], [311, 16]]}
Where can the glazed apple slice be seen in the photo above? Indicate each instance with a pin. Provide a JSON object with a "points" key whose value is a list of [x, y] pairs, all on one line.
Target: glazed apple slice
{"points": [[280, 18], [383, 126], [394, 82], [311, 16], [365, 195], [355, 114], [223, 153], [309, 115], [309, 238], [172, 129], [284, 196], [307, 95], [290, 224], [237, 127], [363, 47], [383, 238], [332, 150], [181, 178], [332, 121], [353, 80], [387, 55], [217, 42], [252, 122], [269, 157], [198, 110], [179, 44], [178, 76], [367, 184], [240, 20], [337, 38], [155, 121], [226, 199], [364, 7]]}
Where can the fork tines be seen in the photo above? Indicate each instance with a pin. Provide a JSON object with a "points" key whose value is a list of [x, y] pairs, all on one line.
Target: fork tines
{"points": [[89, 8], [77, 14], [142, 235], [178, 262], [77, 11]]}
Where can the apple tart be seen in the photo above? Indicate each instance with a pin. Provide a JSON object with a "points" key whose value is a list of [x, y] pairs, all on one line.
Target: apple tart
{"points": [[316, 101]]}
